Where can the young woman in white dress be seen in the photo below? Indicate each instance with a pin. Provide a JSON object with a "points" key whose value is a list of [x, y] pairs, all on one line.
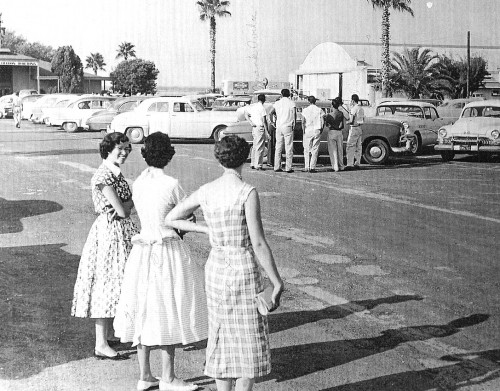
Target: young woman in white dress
{"points": [[163, 300], [238, 339]]}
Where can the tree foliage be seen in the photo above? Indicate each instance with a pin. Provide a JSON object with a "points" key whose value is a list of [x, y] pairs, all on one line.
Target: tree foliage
{"points": [[386, 6], [125, 50], [418, 73], [209, 10], [456, 71], [96, 62], [135, 76], [68, 66], [18, 44]]}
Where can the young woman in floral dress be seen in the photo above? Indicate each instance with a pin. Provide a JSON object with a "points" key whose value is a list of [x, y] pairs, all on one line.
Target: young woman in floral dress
{"points": [[100, 274]]}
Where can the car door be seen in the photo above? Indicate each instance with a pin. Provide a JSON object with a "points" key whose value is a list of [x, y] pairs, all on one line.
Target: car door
{"points": [[184, 120], [159, 118], [432, 125]]}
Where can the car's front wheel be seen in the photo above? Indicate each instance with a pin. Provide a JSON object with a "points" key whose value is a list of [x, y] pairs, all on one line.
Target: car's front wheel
{"points": [[135, 135], [218, 133], [376, 152], [416, 145], [447, 155], [70, 127]]}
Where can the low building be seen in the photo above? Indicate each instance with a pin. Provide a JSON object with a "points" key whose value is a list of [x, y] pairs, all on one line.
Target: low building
{"points": [[20, 72]]}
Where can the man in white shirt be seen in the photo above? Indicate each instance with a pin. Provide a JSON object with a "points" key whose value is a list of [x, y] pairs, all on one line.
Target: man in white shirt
{"points": [[285, 123], [353, 145], [16, 108], [312, 124], [256, 115]]}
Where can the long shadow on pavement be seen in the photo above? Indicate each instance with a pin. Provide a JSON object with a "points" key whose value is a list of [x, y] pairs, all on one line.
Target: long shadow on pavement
{"points": [[36, 329], [295, 361], [11, 212], [287, 320], [57, 152], [470, 370]]}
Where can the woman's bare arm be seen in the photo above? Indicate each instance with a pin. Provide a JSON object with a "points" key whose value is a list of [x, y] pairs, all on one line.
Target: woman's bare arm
{"points": [[176, 218], [119, 208], [260, 246]]}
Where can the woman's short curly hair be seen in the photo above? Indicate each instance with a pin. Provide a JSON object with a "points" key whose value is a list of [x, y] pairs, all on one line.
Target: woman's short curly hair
{"points": [[157, 150], [231, 151], [110, 141]]}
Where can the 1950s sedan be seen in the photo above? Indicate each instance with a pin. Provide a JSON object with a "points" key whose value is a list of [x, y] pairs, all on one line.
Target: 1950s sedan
{"points": [[477, 130]]}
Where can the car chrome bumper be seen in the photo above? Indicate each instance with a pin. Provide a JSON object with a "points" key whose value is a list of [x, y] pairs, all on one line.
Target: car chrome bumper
{"points": [[465, 148], [405, 141]]}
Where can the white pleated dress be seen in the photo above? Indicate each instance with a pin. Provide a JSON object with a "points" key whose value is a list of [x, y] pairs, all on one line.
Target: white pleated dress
{"points": [[163, 298]]}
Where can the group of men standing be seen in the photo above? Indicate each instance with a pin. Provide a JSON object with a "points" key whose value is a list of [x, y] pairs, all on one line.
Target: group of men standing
{"points": [[314, 122]]}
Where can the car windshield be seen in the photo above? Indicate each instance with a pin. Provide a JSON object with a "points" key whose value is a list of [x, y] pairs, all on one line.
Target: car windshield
{"points": [[197, 105], [409, 111], [62, 103], [482, 111]]}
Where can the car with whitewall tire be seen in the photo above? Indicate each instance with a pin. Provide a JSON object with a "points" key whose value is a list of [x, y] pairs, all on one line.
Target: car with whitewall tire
{"points": [[477, 131], [179, 117]]}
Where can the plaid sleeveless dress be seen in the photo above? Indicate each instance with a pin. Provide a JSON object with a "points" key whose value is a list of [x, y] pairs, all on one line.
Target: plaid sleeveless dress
{"points": [[238, 336]]}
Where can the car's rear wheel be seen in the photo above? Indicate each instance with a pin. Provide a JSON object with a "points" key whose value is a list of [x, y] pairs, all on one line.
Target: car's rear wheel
{"points": [[447, 155], [376, 152], [218, 133], [135, 135], [70, 127]]}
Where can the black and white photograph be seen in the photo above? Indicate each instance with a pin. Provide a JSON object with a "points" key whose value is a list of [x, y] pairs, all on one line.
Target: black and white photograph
{"points": [[238, 195]]}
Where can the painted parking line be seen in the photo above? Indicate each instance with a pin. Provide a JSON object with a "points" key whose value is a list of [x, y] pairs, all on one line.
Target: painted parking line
{"points": [[384, 198]]}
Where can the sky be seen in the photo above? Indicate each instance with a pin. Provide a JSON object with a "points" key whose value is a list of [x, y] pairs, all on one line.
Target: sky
{"points": [[262, 38]]}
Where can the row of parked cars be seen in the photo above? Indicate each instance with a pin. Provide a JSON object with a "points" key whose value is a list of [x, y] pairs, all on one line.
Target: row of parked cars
{"points": [[393, 126]]}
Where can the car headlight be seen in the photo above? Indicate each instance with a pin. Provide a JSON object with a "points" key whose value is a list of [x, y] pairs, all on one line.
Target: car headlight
{"points": [[443, 132], [495, 133]]}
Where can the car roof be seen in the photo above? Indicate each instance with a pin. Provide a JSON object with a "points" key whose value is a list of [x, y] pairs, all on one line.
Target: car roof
{"points": [[481, 103], [407, 103], [267, 92]]}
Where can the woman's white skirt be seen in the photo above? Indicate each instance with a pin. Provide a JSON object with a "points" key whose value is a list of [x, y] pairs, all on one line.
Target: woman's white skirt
{"points": [[163, 298]]}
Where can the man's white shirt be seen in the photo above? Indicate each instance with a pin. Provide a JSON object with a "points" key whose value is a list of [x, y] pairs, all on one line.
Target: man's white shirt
{"points": [[285, 112], [313, 115], [257, 112]]}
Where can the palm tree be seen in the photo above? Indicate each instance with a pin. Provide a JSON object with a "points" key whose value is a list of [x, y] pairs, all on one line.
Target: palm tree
{"points": [[418, 73], [386, 6], [125, 50], [210, 9], [96, 62]]}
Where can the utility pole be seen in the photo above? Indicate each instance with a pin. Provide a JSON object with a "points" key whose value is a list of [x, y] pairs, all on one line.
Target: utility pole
{"points": [[468, 64]]}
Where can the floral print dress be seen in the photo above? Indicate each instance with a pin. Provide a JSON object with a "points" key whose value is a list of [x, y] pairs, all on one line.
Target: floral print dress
{"points": [[100, 274]]}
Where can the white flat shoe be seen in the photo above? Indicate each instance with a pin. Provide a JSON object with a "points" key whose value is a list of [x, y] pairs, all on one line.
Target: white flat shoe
{"points": [[143, 385], [169, 387]]}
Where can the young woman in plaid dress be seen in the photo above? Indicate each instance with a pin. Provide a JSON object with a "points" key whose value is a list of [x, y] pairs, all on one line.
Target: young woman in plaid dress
{"points": [[238, 336]]}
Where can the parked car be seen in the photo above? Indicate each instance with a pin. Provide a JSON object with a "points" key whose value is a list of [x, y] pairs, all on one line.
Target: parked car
{"points": [[419, 118], [381, 138], [75, 115], [48, 112], [179, 117], [206, 100], [101, 120], [23, 93], [231, 103], [451, 109], [477, 130], [6, 108], [48, 100], [27, 105]]}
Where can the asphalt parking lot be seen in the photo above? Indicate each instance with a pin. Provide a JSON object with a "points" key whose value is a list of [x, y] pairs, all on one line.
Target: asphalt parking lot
{"points": [[391, 272]]}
